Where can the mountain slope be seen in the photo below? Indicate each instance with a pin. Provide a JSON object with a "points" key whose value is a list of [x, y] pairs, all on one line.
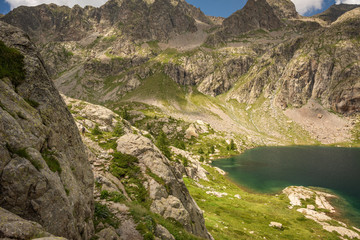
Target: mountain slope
{"points": [[335, 11], [45, 175]]}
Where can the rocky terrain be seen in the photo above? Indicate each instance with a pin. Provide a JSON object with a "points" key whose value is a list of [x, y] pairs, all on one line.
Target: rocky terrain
{"points": [[223, 72], [158, 186], [45, 174], [157, 90]]}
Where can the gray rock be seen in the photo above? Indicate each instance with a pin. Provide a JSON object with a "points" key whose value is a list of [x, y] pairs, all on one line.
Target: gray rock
{"points": [[14, 227], [163, 233], [178, 204], [108, 234], [62, 201]]}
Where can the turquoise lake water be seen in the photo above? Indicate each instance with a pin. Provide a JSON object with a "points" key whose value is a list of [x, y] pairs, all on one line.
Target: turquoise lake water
{"points": [[271, 169]]}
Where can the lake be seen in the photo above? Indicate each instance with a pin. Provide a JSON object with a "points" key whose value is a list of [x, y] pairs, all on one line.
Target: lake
{"points": [[271, 169]]}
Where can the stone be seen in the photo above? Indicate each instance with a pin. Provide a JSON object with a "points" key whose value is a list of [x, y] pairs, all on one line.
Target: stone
{"points": [[163, 233], [237, 196], [216, 194], [14, 227], [311, 207], [108, 234], [276, 225]]}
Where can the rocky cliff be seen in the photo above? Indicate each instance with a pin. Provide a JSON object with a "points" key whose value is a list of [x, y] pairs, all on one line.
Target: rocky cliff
{"points": [[45, 175], [138, 20]]}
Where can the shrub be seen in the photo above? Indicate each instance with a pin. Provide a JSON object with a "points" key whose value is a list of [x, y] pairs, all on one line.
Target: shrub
{"points": [[123, 165], [163, 144], [118, 130], [103, 214], [96, 130]]}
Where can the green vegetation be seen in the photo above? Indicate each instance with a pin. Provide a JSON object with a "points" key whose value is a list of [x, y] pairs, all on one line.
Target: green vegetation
{"points": [[249, 217], [102, 214], [154, 45], [11, 64], [24, 154], [32, 103], [124, 165], [112, 196], [51, 161], [66, 53], [147, 221], [96, 130], [163, 144]]}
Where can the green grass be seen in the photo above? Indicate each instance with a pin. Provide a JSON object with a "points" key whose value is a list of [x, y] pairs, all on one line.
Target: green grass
{"points": [[162, 87], [112, 196], [11, 64], [232, 218], [147, 219], [51, 161], [102, 214]]}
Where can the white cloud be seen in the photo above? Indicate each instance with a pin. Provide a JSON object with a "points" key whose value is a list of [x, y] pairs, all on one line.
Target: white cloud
{"points": [[304, 6], [70, 3], [348, 1]]}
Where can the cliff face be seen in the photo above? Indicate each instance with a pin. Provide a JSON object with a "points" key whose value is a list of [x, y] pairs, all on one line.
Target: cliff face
{"points": [[139, 20], [45, 175]]}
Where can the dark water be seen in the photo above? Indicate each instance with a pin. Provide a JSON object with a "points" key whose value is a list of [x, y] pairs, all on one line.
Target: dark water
{"points": [[271, 169]]}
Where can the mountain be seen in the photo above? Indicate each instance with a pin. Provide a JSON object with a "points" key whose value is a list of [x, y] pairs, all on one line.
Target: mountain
{"points": [[335, 11], [159, 90], [139, 20]]}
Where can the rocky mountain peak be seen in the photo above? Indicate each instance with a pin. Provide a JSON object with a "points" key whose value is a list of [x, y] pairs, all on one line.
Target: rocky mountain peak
{"points": [[283, 8], [137, 19], [256, 14], [335, 11]]}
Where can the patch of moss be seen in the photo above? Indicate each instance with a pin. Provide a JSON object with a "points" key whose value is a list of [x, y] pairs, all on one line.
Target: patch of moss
{"points": [[32, 103], [51, 161], [11, 64], [23, 153]]}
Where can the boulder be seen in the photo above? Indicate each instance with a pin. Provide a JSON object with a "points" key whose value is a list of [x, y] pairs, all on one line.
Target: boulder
{"points": [[276, 225], [163, 233]]}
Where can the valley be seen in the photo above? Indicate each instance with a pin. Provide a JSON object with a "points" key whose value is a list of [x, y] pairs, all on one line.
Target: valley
{"points": [[151, 93]]}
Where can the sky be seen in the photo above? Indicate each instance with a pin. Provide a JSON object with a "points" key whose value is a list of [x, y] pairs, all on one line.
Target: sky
{"points": [[223, 8]]}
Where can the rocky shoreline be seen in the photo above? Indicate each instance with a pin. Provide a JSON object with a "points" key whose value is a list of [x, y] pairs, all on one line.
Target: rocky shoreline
{"points": [[318, 210]]}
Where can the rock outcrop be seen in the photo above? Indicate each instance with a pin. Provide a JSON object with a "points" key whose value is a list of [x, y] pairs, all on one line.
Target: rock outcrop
{"points": [[44, 173], [298, 194], [175, 203]]}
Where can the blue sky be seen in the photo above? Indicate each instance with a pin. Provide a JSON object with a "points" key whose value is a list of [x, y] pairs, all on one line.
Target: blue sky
{"points": [[222, 8]]}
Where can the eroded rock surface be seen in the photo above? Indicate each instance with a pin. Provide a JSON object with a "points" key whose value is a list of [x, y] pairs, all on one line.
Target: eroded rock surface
{"points": [[45, 175]]}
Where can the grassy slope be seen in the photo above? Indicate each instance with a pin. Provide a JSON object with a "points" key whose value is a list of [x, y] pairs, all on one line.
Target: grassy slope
{"points": [[249, 217]]}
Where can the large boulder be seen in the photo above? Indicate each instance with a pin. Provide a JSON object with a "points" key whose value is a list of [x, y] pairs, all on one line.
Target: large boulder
{"points": [[45, 176]]}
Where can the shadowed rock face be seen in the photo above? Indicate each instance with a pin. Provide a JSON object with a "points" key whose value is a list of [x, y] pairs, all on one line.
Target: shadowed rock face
{"points": [[255, 15], [44, 173], [335, 11], [140, 20]]}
